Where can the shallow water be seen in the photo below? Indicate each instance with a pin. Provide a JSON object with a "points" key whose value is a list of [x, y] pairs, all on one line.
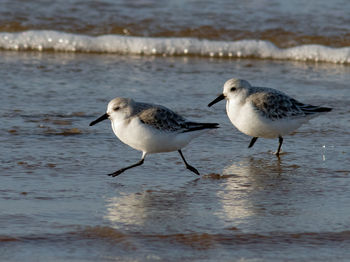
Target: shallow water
{"points": [[58, 204]]}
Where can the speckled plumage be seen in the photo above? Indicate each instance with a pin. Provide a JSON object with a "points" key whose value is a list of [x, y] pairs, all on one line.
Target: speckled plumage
{"points": [[162, 118], [275, 105]]}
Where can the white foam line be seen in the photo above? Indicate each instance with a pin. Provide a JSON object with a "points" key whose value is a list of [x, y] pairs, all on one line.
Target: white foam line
{"points": [[65, 42]]}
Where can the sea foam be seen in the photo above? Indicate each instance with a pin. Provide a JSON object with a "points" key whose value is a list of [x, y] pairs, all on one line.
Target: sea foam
{"points": [[126, 45]]}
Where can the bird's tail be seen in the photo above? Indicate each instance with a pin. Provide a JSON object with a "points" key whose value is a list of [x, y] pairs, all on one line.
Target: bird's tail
{"points": [[309, 109], [193, 126]]}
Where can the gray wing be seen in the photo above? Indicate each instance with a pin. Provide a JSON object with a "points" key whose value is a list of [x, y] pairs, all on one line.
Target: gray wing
{"points": [[277, 105], [162, 118]]}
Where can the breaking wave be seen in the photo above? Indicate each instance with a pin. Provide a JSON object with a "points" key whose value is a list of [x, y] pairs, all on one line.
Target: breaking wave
{"points": [[55, 41]]}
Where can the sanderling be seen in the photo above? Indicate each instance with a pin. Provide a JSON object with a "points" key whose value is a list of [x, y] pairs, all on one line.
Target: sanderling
{"points": [[150, 128], [264, 112]]}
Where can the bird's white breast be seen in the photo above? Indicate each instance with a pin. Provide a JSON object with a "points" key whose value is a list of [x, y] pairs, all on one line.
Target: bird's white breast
{"points": [[145, 138], [250, 122]]}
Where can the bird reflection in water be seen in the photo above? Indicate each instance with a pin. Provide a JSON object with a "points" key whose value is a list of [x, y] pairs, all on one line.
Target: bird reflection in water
{"points": [[155, 210], [249, 188]]}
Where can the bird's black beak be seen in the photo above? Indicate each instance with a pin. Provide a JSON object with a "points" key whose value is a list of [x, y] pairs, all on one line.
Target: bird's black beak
{"points": [[101, 118], [218, 99]]}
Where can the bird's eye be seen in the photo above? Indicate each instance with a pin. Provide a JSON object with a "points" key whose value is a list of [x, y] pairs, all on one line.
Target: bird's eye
{"points": [[116, 108], [233, 89]]}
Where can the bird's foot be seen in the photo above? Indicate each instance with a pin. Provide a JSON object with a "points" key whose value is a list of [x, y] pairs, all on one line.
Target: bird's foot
{"points": [[278, 154], [117, 173], [192, 169]]}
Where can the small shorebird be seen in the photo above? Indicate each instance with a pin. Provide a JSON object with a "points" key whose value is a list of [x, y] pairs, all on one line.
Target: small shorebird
{"points": [[151, 128], [264, 112]]}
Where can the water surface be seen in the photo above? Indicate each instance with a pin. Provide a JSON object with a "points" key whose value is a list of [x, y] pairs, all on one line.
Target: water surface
{"points": [[58, 204]]}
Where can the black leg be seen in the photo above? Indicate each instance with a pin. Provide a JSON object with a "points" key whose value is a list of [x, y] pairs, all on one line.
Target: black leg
{"points": [[280, 140], [252, 142], [118, 172], [187, 165]]}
